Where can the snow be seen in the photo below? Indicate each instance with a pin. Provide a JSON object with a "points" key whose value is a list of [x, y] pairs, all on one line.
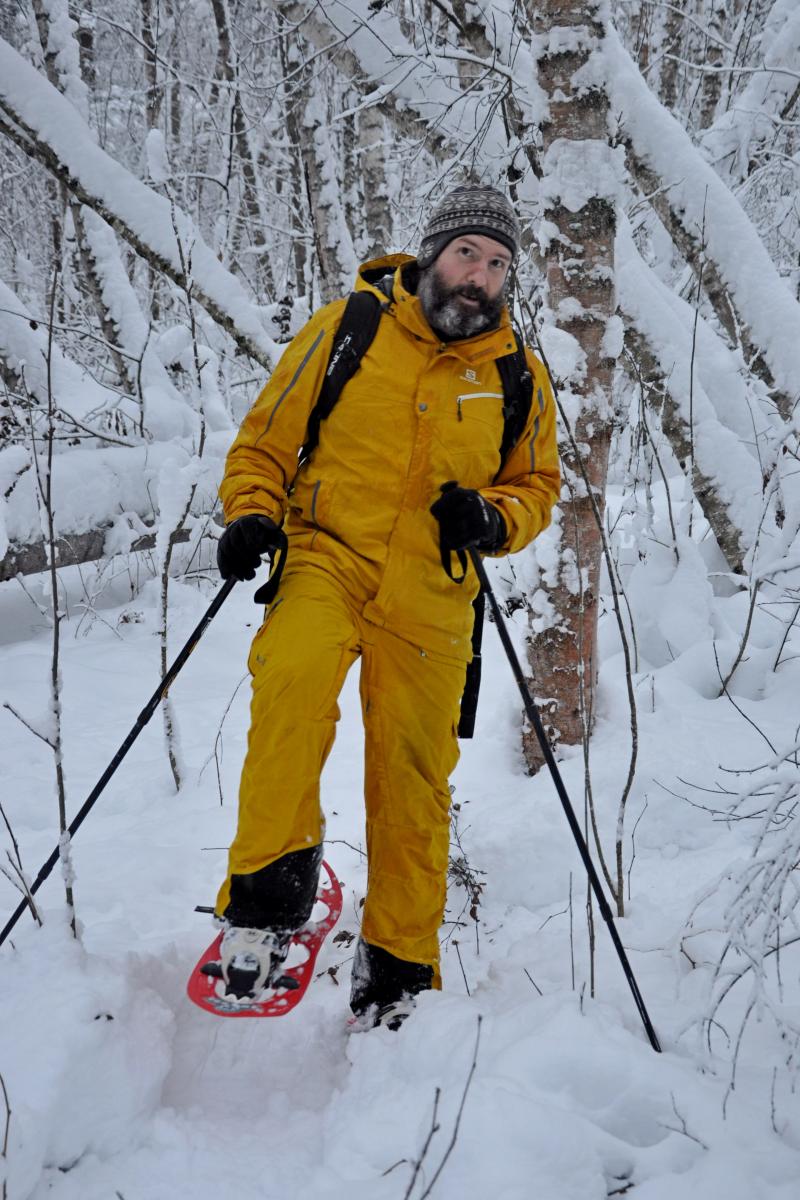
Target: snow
{"points": [[118, 1085], [761, 295], [92, 486], [577, 171], [721, 421], [728, 141], [146, 213], [519, 1079]]}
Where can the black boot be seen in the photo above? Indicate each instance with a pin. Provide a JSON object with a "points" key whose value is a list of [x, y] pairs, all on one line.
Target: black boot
{"points": [[383, 986], [279, 896]]}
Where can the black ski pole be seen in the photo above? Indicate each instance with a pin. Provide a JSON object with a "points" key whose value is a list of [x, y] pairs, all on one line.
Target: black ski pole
{"points": [[536, 722], [141, 721]]}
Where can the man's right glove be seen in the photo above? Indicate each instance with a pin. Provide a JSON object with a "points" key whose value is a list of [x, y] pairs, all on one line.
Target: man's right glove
{"points": [[243, 542]]}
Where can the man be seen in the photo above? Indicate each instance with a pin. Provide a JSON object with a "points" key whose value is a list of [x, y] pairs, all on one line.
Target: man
{"points": [[368, 527]]}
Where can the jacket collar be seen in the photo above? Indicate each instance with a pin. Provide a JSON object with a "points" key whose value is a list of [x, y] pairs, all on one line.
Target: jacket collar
{"points": [[399, 290]]}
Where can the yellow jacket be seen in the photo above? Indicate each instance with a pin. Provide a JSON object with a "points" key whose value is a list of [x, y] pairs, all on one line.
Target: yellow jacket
{"points": [[419, 412]]}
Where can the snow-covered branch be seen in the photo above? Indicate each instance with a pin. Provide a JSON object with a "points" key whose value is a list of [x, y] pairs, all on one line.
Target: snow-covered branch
{"points": [[46, 126], [727, 473], [763, 313]]}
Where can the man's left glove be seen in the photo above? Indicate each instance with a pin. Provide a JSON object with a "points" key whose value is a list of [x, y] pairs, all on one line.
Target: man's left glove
{"points": [[466, 519], [243, 542]]}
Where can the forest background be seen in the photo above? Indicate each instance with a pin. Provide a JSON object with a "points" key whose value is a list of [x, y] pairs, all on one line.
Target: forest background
{"points": [[183, 183]]}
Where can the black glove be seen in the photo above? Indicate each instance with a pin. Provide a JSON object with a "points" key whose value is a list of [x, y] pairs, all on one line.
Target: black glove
{"points": [[466, 519], [243, 542]]}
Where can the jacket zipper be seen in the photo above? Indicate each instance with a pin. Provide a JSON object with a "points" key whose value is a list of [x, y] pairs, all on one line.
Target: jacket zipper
{"points": [[475, 396]]}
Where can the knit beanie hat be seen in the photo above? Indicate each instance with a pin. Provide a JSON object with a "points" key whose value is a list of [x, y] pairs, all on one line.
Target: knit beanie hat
{"points": [[471, 208]]}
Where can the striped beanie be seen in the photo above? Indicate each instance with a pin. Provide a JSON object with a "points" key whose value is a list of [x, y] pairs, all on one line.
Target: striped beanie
{"points": [[471, 208]]}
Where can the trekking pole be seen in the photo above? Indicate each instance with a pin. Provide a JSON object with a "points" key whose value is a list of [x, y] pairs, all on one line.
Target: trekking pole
{"points": [[144, 716], [536, 721]]}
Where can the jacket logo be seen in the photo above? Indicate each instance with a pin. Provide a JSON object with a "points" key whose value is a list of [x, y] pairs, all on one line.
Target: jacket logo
{"points": [[469, 376]]}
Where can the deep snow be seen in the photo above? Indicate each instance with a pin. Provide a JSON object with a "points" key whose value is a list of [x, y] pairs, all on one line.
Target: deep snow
{"points": [[119, 1087]]}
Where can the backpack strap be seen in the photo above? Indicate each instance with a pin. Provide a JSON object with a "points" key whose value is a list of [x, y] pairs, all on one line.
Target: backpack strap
{"points": [[353, 338], [517, 396]]}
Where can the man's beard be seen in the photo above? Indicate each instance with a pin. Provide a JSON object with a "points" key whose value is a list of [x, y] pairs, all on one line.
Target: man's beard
{"points": [[447, 316]]}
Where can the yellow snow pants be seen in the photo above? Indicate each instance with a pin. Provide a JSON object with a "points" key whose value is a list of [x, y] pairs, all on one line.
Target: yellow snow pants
{"points": [[410, 706]]}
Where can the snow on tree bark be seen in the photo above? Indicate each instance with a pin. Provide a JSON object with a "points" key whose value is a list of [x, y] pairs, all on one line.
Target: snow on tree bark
{"points": [[335, 254]]}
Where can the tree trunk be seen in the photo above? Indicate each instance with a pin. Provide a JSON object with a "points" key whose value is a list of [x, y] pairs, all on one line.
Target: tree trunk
{"points": [[150, 34], [580, 297], [251, 213], [673, 33], [291, 61], [372, 176], [335, 254], [649, 375], [714, 57], [695, 253]]}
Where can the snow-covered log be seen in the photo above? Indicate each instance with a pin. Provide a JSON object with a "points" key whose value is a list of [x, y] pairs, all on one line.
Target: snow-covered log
{"points": [[46, 126], [104, 498]]}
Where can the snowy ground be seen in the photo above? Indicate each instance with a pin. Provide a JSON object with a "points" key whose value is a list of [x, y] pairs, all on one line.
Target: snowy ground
{"points": [[119, 1088]]}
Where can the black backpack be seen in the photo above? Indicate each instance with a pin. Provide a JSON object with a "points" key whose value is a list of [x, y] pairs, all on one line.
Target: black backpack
{"points": [[356, 332]]}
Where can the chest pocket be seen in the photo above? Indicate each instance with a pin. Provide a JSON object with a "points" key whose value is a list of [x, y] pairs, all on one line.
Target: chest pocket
{"points": [[468, 430]]}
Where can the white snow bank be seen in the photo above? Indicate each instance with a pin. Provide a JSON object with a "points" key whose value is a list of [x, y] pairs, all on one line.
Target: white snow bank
{"points": [[83, 1082]]}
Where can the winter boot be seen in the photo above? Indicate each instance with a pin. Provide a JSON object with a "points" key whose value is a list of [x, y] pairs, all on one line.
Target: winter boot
{"points": [[265, 909], [383, 987]]}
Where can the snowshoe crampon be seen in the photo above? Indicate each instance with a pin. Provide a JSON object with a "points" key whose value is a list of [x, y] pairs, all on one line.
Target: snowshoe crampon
{"points": [[208, 989]]}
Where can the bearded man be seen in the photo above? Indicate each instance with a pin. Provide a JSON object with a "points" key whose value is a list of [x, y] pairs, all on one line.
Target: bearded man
{"points": [[368, 526]]}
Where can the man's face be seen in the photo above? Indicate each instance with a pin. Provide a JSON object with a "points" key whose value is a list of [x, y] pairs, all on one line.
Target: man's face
{"points": [[462, 291]]}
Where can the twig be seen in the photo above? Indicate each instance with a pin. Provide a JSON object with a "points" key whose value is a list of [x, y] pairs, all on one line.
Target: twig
{"points": [[4, 1153], [571, 935], [21, 884], [454, 1136], [538, 989], [434, 1129], [740, 711], [633, 844], [216, 752], [683, 1128], [28, 726], [745, 637], [460, 963]]}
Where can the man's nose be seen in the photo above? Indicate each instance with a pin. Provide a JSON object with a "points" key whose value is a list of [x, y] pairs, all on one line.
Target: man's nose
{"points": [[477, 275]]}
